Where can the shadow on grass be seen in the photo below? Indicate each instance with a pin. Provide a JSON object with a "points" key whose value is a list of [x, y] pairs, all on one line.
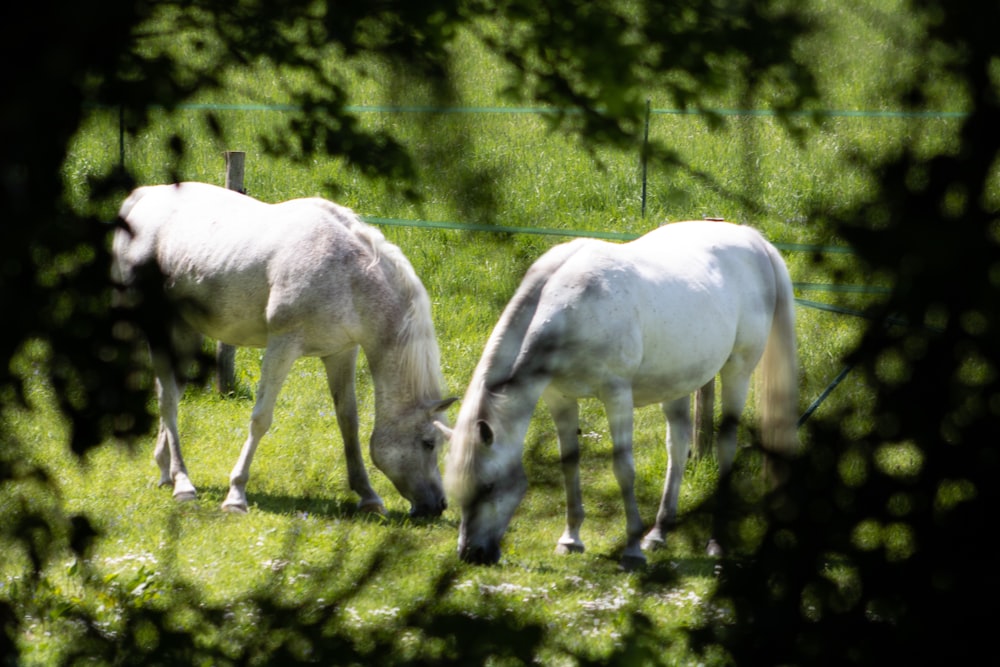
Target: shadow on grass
{"points": [[323, 507], [170, 622]]}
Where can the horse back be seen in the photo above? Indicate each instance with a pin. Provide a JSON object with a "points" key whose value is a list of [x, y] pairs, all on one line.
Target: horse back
{"points": [[665, 312], [241, 268]]}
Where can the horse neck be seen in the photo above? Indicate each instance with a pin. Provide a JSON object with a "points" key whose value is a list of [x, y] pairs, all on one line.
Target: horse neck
{"points": [[400, 344], [514, 405], [510, 378], [404, 373], [501, 392], [507, 352], [508, 410], [508, 381], [402, 351]]}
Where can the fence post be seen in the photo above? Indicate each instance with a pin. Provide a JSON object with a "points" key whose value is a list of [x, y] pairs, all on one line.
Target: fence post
{"points": [[121, 137], [225, 355], [644, 158], [704, 419], [235, 161]]}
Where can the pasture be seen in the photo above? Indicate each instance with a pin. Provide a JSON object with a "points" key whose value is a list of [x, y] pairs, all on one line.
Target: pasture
{"points": [[390, 586]]}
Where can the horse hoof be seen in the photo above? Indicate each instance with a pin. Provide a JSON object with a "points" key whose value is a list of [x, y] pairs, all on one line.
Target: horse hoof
{"points": [[234, 508], [653, 543], [371, 508], [184, 496], [714, 549], [633, 563], [564, 549]]}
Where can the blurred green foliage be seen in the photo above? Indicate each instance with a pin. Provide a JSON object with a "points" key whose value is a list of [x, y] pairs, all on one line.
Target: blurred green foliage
{"points": [[848, 569]]}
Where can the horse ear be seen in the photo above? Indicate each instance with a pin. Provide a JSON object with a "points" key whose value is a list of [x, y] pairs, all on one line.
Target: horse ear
{"points": [[485, 432], [442, 405], [444, 429]]}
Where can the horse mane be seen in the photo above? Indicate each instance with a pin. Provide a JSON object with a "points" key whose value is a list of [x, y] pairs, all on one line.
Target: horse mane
{"points": [[496, 366], [420, 365]]}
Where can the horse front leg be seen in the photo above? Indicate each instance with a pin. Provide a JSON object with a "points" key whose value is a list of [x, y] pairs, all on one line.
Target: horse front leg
{"points": [[168, 448], [278, 358], [340, 376], [735, 388], [678, 414], [619, 407], [162, 452], [566, 415]]}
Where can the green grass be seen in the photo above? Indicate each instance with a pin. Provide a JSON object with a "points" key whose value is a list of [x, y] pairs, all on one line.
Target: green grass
{"points": [[303, 539], [372, 578]]}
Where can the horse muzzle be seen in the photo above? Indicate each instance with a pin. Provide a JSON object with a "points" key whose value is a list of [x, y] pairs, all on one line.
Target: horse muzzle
{"points": [[428, 509], [480, 554]]}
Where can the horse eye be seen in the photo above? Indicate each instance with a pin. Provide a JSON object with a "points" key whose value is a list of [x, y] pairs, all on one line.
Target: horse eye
{"points": [[428, 444]]}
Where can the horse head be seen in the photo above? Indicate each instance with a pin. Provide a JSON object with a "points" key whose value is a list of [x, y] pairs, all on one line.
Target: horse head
{"points": [[406, 449], [486, 477]]}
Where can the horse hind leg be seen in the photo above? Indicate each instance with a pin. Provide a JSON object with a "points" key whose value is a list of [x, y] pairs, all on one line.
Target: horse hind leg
{"points": [[340, 376], [678, 440], [168, 449], [566, 415], [735, 387], [278, 358]]}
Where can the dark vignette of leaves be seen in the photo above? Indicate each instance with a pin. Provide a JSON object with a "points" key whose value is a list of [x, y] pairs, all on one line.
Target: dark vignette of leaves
{"points": [[54, 288], [816, 592]]}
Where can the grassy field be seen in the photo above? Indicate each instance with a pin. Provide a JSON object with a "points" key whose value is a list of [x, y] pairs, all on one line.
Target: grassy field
{"points": [[375, 580]]}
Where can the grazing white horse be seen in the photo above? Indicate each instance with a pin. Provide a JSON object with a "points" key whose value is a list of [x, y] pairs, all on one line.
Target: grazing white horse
{"points": [[632, 324], [301, 278]]}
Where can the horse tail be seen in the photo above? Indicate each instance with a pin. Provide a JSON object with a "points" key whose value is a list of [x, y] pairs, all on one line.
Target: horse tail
{"points": [[122, 265], [131, 201], [779, 376]]}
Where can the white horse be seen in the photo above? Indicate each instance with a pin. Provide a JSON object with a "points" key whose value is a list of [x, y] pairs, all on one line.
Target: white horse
{"points": [[301, 278], [632, 324]]}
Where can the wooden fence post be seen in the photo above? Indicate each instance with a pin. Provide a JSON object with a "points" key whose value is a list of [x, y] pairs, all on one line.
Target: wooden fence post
{"points": [[704, 419], [235, 161], [225, 355]]}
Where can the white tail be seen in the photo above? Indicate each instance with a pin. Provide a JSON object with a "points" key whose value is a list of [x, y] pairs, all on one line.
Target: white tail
{"points": [[778, 370]]}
